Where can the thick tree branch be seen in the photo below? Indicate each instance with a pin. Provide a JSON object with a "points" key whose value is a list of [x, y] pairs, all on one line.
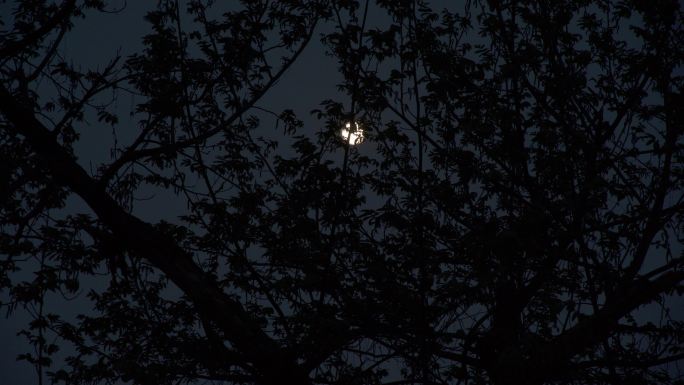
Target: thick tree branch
{"points": [[142, 239], [556, 355]]}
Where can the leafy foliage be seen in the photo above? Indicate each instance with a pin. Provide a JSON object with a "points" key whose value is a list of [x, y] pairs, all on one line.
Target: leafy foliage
{"points": [[513, 216]]}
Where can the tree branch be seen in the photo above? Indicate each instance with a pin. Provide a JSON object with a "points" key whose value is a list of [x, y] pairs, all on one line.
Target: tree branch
{"points": [[61, 16], [142, 239], [132, 155], [555, 356]]}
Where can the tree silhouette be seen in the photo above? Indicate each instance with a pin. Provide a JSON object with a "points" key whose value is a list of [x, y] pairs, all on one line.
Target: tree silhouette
{"points": [[513, 215]]}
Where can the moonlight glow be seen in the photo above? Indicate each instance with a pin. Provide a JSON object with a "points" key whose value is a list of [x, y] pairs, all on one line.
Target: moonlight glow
{"points": [[353, 137]]}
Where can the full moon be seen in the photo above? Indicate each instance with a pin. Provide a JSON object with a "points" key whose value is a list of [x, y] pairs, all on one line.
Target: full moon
{"points": [[352, 136]]}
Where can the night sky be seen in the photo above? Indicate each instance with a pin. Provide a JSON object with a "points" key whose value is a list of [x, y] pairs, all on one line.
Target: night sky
{"points": [[92, 43]]}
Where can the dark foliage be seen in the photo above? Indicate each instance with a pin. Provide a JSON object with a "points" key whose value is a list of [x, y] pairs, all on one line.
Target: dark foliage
{"points": [[514, 214]]}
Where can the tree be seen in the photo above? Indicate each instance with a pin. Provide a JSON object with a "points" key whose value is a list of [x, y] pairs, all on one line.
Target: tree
{"points": [[514, 214]]}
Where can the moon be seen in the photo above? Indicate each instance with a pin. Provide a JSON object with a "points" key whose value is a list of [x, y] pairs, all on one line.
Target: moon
{"points": [[352, 136]]}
